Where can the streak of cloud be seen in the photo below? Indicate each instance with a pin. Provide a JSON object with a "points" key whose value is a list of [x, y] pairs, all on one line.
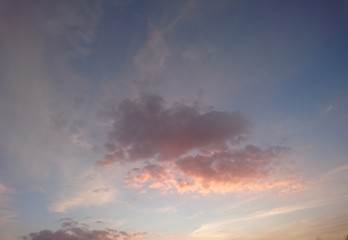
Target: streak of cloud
{"points": [[151, 58], [216, 228], [89, 189], [150, 61]]}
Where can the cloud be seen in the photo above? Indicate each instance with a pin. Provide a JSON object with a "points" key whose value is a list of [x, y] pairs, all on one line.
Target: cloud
{"points": [[326, 226], [68, 125], [199, 55], [251, 168], [89, 189], [328, 109], [88, 197], [6, 213], [180, 148], [224, 226], [145, 128], [72, 230], [151, 58], [335, 174], [243, 169], [160, 176], [168, 209]]}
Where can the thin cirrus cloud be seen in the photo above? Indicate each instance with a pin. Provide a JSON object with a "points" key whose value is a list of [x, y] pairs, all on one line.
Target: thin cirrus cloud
{"points": [[90, 197], [151, 58], [179, 148], [88, 189], [71, 230]]}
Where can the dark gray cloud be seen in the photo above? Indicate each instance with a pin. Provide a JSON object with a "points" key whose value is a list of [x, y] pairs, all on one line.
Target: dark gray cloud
{"points": [[72, 230]]}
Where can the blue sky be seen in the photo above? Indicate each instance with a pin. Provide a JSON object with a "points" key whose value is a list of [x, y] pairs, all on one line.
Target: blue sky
{"points": [[173, 119]]}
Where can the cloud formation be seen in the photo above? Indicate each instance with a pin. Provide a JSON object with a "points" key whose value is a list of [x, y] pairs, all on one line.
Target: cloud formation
{"points": [[145, 128], [250, 168], [180, 148], [72, 230]]}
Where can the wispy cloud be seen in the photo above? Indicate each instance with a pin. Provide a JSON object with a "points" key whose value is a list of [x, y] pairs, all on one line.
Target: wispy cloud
{"points": [[223, 227], [283, 210], [332, 175], [89, 197], [151, 59], [327, 109], [89, 189], [325, 227], [168, 209]]}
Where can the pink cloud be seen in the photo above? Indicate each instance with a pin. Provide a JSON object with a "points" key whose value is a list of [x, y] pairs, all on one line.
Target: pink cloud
{"points": [[158, 177], [250, 168], [180, 149], [72, 230]]}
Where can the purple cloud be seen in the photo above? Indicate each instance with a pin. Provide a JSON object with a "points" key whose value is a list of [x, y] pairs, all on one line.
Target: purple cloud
{"points": [[146, 129]]}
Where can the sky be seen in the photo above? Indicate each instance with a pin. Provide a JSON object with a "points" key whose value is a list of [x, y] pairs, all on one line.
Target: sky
{"points": [[173, 120]]}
